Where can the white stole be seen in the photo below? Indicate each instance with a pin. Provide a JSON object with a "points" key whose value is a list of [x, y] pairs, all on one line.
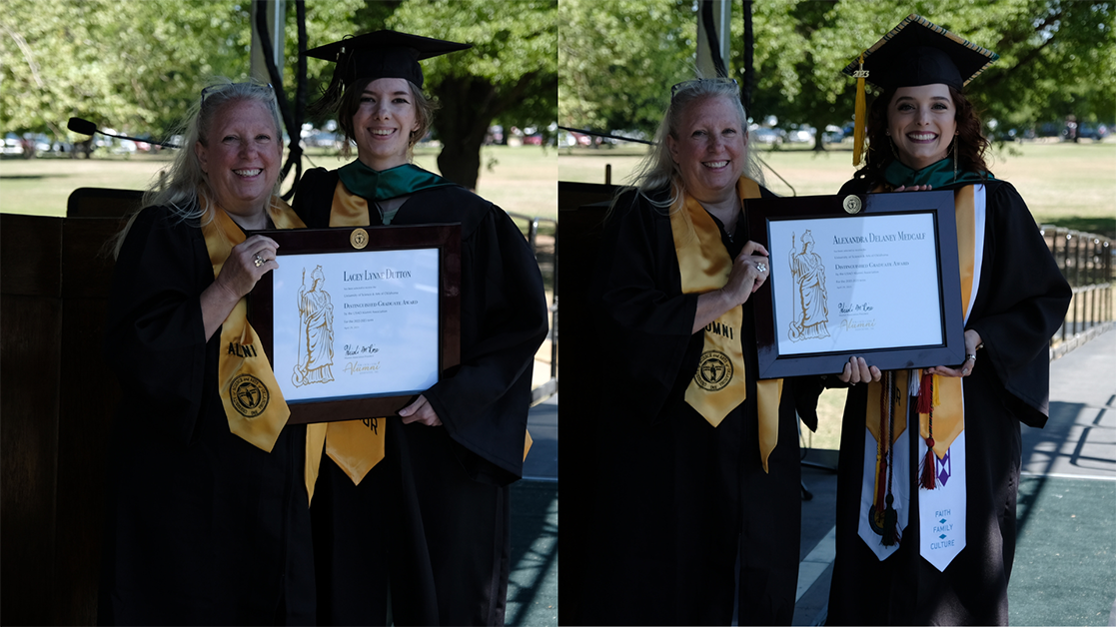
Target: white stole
{"points": [[941, 511]]}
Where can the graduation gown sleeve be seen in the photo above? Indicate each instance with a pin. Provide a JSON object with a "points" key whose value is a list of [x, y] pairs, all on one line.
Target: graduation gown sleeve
{"points": [[1021, 302], [483, 402], [646, 323], [155, 337]]}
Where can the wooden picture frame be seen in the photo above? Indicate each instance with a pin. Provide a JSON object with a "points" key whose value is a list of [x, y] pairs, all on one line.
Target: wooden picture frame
{"points": [[387, 287]]}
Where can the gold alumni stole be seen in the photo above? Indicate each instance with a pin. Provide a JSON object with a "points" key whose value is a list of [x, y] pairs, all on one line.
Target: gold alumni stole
{"points": [[254, 404], [720, 385]]}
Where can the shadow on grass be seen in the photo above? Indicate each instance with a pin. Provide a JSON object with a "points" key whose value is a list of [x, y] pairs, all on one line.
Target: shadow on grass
{"points": [[31, 177], [1105, 227]]}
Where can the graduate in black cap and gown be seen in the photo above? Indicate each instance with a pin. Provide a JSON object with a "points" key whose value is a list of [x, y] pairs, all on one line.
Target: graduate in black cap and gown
{"points": [[418, 503], [697, 505], [930, 459]]}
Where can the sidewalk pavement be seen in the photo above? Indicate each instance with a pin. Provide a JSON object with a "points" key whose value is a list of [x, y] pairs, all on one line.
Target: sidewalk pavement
{"points": [[1075, 453], [1066, 500], [533, 583]]}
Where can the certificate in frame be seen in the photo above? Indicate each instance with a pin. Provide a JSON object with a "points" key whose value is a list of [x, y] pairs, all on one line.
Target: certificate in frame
{"points": [[357, 322], [871, 275]]}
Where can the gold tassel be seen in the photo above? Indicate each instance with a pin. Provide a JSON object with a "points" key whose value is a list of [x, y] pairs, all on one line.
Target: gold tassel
{"points": [[859, 121]]}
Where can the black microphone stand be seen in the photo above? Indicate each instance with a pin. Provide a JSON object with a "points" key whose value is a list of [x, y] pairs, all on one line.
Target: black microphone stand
{"points": [[85, 127]]}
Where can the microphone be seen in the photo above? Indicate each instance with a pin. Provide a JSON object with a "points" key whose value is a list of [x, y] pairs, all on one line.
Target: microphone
{"points": [[85, 127]]}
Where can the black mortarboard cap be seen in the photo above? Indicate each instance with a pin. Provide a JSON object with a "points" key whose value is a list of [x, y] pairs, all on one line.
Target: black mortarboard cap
{"points": [[382, 54], [917, 52]]}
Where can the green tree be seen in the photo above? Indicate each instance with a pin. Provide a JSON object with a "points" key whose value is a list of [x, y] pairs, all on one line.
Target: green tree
{"points": [[618, 59], [1058, 57], [509, 74], [326, 21], [800, 49], [131, 65], [138, 66]]}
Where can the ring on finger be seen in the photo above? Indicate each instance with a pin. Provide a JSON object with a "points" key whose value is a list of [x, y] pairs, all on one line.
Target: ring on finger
{"points": [[970, 357], [761, 266], [259, 260]]}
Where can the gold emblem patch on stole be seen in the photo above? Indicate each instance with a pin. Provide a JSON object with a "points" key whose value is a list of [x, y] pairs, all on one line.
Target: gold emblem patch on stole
{"points": [[249, 395], [714, 371]]}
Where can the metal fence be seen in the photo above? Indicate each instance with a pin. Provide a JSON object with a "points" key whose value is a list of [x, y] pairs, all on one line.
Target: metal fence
{"points": [[546, 254], [1086, 260]]}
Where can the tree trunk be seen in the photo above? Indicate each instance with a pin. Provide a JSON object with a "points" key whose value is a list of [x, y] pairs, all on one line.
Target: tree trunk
{"points": [[461, 124], [469, 104], [819, 132]]}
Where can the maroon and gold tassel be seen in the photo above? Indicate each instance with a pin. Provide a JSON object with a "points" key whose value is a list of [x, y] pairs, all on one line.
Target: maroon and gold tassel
{"points": [[890, 516], [883, 447], [926, 406]]}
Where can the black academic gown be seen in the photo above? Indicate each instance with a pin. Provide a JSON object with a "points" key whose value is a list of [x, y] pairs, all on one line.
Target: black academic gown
{"points": [[203, 528], [678, 501], [433, 515], [1021, 300]]}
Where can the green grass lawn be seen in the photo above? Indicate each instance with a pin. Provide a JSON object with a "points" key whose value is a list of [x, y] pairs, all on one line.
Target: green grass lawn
{"points": [[519, 179], [1070, 185]]}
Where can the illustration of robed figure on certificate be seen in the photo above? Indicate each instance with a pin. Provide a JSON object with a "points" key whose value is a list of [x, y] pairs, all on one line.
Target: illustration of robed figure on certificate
{"points": [[315, 337], [811, 313]]}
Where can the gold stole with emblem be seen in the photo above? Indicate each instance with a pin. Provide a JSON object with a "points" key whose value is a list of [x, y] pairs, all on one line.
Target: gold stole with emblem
{"points": [[356, 446], [720, 385], [254, 404]]}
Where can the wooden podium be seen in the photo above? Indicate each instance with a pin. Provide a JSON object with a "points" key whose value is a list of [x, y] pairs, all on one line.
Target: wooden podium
{"points": [[581, 213], [58, 402]]}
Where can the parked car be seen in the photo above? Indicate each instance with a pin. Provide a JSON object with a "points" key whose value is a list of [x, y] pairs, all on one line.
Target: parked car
{"points": [[764, 135], [801, 134], [12, 145], [1049, 129], [575, 139], [833, 134], [323, 139], [1095, 132]]}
